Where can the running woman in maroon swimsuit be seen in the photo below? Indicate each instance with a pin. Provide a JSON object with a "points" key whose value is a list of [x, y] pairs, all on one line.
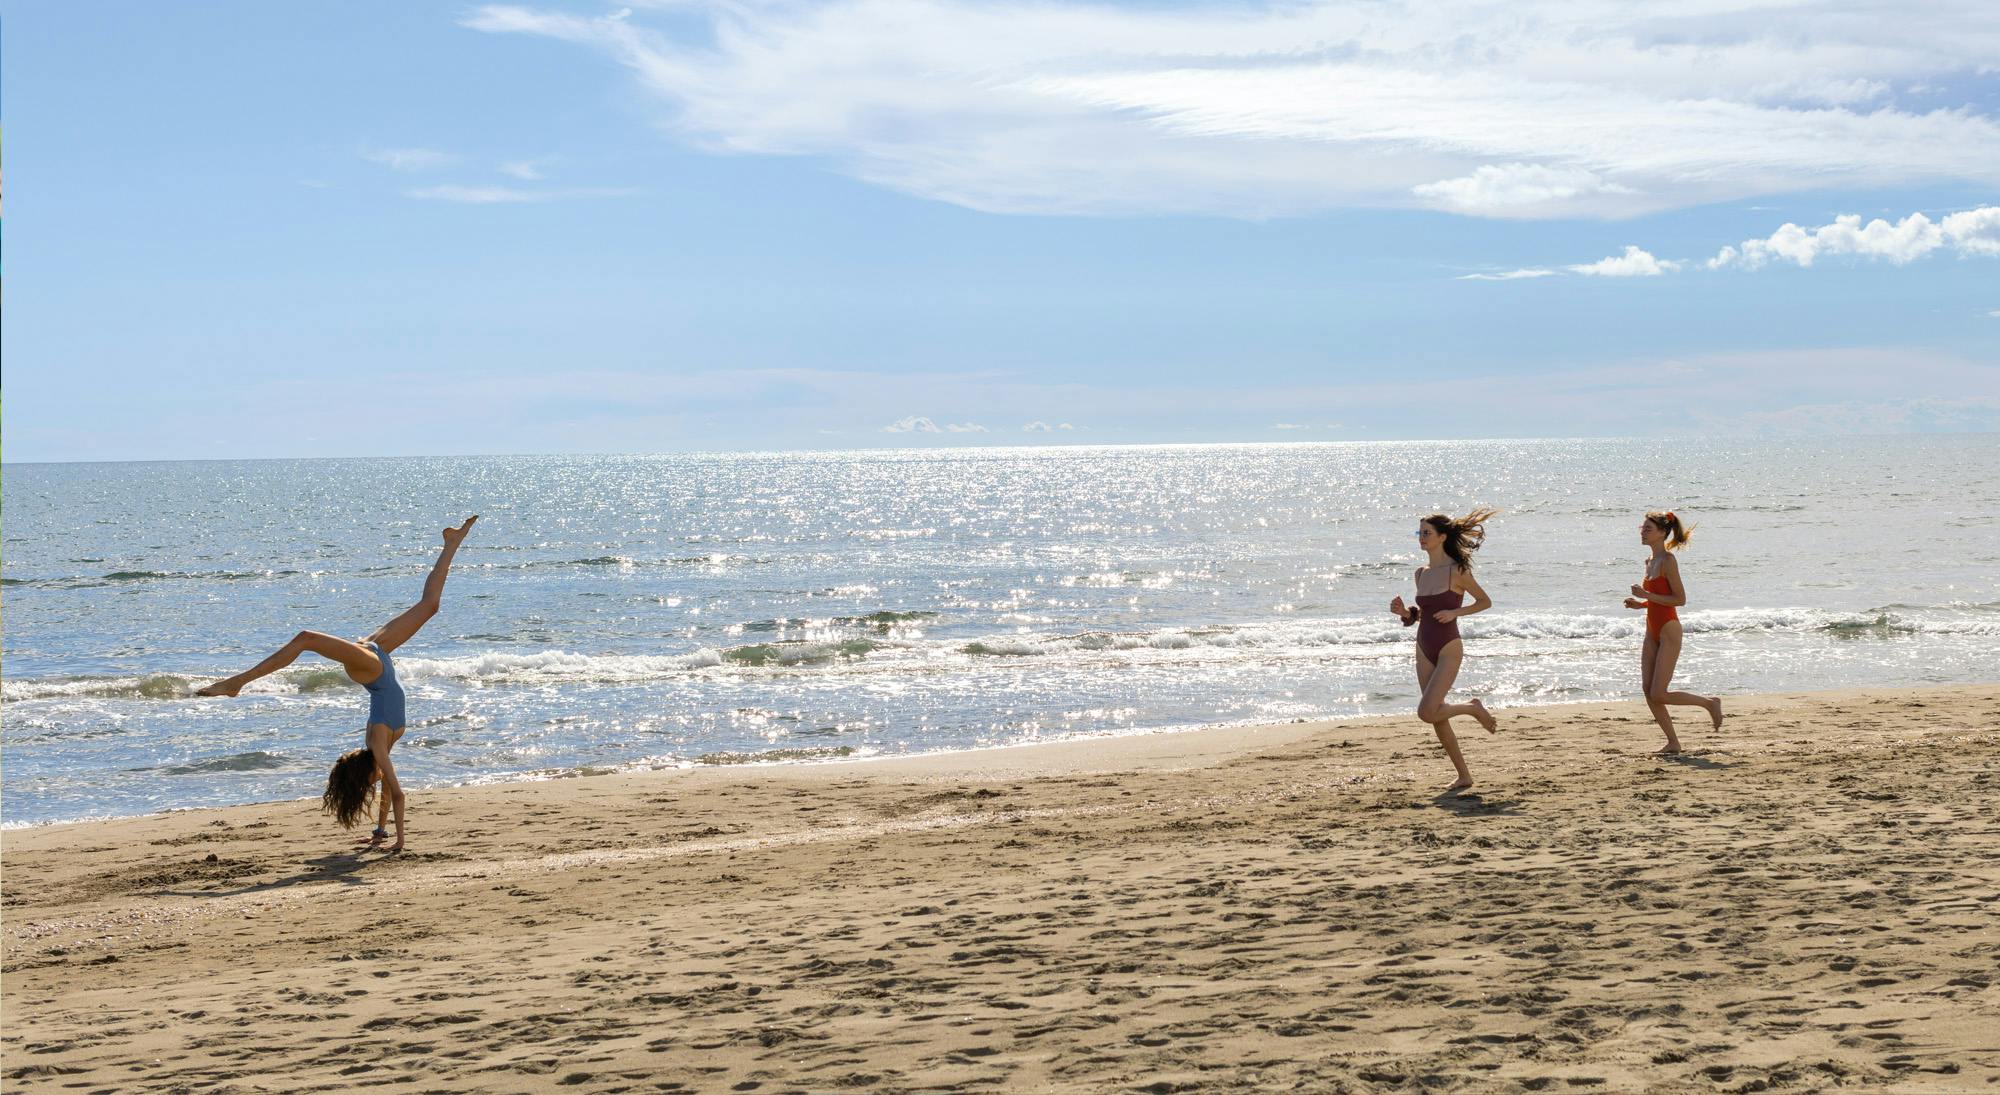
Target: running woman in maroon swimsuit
{"points": [[1441, 589], [1658, 595]]}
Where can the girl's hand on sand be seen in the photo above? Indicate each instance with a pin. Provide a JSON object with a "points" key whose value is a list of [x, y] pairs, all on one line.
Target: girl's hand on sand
{"points": [[1634, 602]]}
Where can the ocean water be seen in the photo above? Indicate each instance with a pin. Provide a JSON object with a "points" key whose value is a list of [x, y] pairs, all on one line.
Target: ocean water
{"points": [[615, 612]]}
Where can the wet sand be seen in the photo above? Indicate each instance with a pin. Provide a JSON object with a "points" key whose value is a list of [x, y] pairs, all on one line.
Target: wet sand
{"points": [[1809, 900]]}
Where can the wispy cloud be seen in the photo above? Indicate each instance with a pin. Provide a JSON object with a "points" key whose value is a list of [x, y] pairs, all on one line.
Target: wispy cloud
{"points": [[1634, 263], [1511, 275], [915, 423], [1038, 426], [1289, 426], [500, 195], [525, 170], [1537, 109], [410, 159]]}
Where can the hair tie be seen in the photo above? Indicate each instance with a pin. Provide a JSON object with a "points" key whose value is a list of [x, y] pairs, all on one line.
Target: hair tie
{"points": [[1671, 517]]}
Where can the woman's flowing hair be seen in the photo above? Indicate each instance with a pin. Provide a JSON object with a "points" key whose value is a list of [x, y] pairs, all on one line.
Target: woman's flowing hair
{"points": [[1463, 536], [350, 787], [1665, 521]]}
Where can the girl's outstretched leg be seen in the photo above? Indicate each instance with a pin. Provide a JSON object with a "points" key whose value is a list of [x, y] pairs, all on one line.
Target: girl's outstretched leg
{"points": [[398, 631], [360, 662]]}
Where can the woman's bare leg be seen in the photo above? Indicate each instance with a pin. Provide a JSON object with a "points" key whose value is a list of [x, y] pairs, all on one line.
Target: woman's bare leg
{"points": [[1426, 675], [1433, 708], [398, 631], [1658, 659], [360, 662]]}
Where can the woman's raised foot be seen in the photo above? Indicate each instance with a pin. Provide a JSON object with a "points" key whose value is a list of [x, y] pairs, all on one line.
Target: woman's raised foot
{"points": [[1484, 716], [454, 535]]}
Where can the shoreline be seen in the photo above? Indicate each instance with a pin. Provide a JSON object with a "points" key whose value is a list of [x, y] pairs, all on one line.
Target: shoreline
{"points": [[1809, 898], [942, 756]]}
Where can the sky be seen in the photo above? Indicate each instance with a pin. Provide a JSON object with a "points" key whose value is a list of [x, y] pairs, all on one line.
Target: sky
{"points": [[389, 228]]}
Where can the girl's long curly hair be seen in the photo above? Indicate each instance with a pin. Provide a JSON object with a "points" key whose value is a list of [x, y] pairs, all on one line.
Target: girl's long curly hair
{"points": [[350, 788], [1666, 522], [1463, 536]]}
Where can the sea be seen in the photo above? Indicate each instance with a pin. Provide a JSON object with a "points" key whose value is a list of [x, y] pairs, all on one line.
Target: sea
{"points": [[637, 612]]}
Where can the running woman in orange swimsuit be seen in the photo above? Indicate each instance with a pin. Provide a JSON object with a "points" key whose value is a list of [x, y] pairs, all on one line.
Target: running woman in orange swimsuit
{"points": [[1658, 595], [1441, 589]]}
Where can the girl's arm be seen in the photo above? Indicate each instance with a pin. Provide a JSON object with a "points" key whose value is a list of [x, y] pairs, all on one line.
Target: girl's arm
{"points": [[1677, 593], [1464, 582], [392, 791]]}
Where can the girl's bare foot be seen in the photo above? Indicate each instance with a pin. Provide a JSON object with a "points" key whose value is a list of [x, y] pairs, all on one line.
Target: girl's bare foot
{"points": [[1715, 711], [1459, 784], [1485, 718], [1668, 750], [454, 535], [219, 688]]}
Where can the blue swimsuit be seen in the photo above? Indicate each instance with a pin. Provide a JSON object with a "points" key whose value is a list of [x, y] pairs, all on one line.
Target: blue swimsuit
{"points": [[385, 695]]}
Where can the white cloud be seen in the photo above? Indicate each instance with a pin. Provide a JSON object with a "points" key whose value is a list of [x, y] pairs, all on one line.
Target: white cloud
{"points": [[1995, 313], [917, 423], [1037, 426], [525, 170], [1290, 426], [1517, 189], [410, 159], [500, 195], [1634, 263], [1540, 108], [1974, 231], [1511, 275], [1970, 232]]}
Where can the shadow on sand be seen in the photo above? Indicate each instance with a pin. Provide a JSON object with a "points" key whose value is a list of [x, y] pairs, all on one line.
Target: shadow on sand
{"points": [[342, 867], [1696, 760], [1474, 804]]}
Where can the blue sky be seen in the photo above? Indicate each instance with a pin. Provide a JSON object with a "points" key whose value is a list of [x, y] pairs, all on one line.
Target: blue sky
{"points": [[244, 230]]}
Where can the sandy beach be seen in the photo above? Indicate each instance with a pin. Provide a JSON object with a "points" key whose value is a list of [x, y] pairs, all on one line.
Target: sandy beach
{"points": [[1808, 901]]}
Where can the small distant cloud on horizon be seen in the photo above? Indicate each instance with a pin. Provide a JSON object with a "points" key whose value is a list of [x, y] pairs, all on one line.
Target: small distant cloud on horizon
{"points": [[1039, 426], [917, 423], [1289, 426]]}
